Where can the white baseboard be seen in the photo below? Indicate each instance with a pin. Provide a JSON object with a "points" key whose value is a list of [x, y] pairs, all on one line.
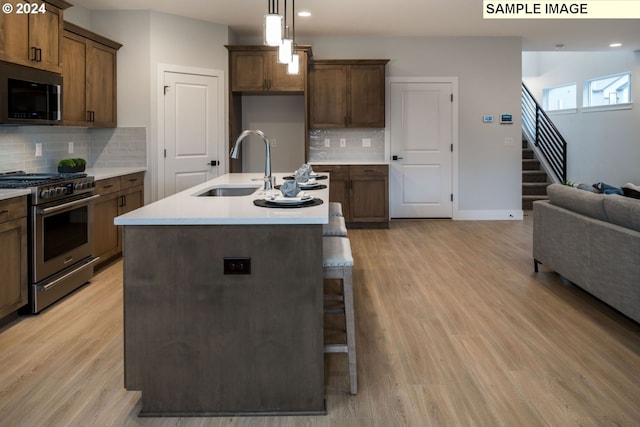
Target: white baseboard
{"points": [[508, 215]]}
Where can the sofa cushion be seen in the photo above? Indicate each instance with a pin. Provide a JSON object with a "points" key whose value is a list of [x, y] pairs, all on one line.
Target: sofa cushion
{"points": [[582, 202], [623, 211], [631, 190]]}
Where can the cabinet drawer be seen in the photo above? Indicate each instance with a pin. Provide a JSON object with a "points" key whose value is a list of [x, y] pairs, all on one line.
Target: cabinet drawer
{"points": [[131, 180], [363, 171], [106, 186], [337, 171], [13, 208]]}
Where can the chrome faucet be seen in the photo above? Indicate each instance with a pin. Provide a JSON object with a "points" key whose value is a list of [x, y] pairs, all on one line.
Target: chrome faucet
{"points": [[267, 160]]}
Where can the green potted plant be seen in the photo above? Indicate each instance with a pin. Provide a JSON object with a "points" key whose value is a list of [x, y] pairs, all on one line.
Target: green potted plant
{"points": [[72, 165]]}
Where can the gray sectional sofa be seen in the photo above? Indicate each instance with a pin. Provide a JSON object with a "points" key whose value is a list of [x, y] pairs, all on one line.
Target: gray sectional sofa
{"points": [[594, 241]]}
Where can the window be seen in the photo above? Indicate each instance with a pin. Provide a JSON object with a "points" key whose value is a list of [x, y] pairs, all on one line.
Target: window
{"points": [[559, 98], [608, 90]]}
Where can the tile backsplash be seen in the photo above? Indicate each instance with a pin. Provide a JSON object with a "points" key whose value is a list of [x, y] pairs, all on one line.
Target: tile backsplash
{"points": [[353, 149], [100, 147]]}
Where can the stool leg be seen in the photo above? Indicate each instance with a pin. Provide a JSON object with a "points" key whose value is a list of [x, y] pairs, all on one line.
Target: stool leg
{"points": [[351, 330]]}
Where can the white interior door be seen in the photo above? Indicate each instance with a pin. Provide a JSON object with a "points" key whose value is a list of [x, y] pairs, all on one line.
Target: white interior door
{"points": [[421, 138], [193, 130]]}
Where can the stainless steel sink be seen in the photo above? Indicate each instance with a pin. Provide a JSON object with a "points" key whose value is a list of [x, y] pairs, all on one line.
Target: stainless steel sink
{"points": [[228, 191]]}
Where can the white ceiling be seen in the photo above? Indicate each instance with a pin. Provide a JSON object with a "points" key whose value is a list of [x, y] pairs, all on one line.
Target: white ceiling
{"points": [[412, 18]]}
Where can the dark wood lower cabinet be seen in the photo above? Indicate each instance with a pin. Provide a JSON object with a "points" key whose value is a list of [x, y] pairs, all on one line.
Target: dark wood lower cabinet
{"points": [[363, 191], [118, 196], [13, 255]]}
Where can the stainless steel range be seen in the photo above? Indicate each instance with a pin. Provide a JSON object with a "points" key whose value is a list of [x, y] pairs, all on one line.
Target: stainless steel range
{"points": [[60, 233]]}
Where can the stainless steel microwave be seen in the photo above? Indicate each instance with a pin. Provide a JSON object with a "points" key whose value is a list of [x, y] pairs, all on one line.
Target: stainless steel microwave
{"points": [[29, 95]]}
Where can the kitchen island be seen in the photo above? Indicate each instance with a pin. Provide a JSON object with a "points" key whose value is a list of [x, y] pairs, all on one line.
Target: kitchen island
{"points": [[223, 302]]}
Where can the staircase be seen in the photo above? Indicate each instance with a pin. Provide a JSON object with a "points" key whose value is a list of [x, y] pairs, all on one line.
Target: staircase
{"points": [[534, 178]]}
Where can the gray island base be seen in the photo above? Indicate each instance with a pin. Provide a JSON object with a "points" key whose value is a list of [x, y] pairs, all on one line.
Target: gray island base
{"points": [[204, 340], [202, 343]]}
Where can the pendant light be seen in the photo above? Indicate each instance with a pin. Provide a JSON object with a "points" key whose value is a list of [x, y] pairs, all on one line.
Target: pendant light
{"points": [[286, 46], [294, 66], [272, 24]]}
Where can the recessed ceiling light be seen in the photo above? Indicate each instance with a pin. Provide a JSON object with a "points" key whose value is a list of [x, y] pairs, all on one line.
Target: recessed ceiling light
{"points": [[615, 44], [559, 46], [304, 14]]}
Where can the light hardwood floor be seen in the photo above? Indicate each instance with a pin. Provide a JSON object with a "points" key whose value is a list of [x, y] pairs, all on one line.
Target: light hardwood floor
{"points": [[454, 329]]}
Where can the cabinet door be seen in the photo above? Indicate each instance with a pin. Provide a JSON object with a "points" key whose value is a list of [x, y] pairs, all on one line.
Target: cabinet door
{"points": [[45, 31], [327, 96], [280, 81], [14, 38], [131, 199], [106, 235], [13, 266], [101, 84], [339, 188], [249, 71], [366, 96], [369, 194], [74, 58]]}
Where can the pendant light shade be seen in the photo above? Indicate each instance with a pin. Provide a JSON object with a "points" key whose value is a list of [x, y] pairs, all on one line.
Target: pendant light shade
{"points": [[285, 51], [294, 66], [286, 45], [273, 25], [272, 30]]}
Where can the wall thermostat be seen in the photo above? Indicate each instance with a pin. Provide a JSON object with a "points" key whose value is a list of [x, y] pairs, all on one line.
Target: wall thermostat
{"points": [[487, 119], [506, 119]]}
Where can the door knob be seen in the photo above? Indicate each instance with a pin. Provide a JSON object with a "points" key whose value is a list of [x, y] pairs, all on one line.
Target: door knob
{"points": [[396, 158], [213, 163]]}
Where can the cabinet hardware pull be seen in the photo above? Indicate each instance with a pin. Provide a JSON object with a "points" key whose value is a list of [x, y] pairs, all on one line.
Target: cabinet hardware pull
{"points": [[39, 55], [108, 186], [3, 212]]}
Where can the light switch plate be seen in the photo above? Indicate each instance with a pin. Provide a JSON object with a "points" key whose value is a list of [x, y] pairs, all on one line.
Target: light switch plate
{"points": [[366, 142], [327, 143], [343, 142], [70, 147], [38, 149]]}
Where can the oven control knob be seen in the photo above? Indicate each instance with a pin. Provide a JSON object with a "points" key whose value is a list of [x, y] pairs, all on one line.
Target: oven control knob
{"points": [[60, 190], [44, 194], [78, 186]]}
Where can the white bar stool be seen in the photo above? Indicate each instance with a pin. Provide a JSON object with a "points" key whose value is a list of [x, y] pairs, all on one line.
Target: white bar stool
{"points": [[335, 209], [335, 227], [338, 264]]}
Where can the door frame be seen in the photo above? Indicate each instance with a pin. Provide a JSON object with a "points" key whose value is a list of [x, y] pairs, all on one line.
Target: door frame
{"points": [[222, 116], [453, 80]]}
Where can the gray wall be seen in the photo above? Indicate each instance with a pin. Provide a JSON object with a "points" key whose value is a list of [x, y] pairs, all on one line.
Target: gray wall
{"points": [[602, 145]]}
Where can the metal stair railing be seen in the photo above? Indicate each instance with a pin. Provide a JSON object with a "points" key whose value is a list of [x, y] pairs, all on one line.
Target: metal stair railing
{"points": [[540, 129]]}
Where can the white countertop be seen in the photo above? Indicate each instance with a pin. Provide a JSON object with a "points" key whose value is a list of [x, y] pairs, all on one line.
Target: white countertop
{"points": [[185, 208], [105, 173], [11, 193], [338, 162]]}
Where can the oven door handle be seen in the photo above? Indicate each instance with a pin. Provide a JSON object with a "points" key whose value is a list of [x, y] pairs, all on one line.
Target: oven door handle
{"points": [[71, 273], [47, 211]]}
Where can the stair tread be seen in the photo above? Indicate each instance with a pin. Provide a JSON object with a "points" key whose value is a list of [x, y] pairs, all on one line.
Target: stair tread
{"points": [[536, 184], [535, 197]]}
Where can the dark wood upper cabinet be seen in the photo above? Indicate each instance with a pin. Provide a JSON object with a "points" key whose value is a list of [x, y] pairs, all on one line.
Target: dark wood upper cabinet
{"points": [[89, 72], [34, 39], [255, 69], [347, 94]]}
